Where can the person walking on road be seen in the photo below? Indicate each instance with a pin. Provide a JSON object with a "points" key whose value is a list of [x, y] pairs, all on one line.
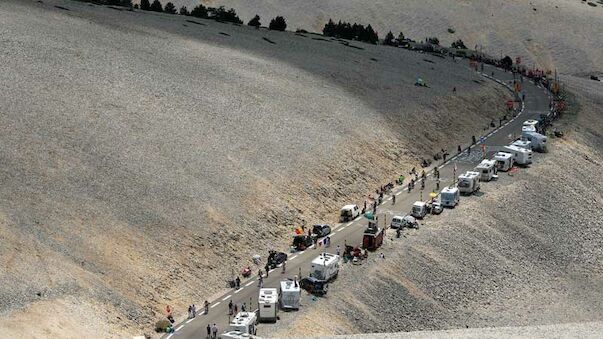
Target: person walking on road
{"points": [[214, 331], [284, 267], [459, 149], [393, 199], [194, 310], [208, 331], [261, 282], [206, 306], [235, 309], [338, 250], [230, 307], [267, 268], [238, 282], [243, 307]]}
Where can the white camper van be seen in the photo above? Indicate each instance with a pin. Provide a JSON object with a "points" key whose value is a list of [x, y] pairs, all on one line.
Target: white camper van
{"points": [[290, 294], [525, 144], [469, 182], [486, 170], [268, 304], [530, 125], [522, 156], [450, 196], [325, 267], [237, 335], [349, 212], [538, 141], [244, 322], [504, 161]]}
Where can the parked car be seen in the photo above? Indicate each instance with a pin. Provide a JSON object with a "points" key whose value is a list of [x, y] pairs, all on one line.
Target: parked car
{"points": [[321, 230], [276, 258], [314, 286], [301, 242]]}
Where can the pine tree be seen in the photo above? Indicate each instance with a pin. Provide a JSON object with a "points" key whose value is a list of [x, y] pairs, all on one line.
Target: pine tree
{"points": [[255, 22], [329, 29], [401, 37], [169, 8], [145, 5], [184, 10], [199, 11], [278, 24], [389, 39], [156, 6]]}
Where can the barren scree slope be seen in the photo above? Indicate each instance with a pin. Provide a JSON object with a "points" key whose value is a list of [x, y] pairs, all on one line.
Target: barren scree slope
{"points": [[552, 33], [144, 157], [527, 251]]}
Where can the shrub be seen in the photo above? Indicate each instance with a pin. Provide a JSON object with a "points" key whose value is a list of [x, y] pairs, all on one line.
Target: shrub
{"points": [[451, 30], [433, 41], [278, 24], [255, 22], [506, 62], [221, 14], [169, 8], [184, 11], [161, 325]]}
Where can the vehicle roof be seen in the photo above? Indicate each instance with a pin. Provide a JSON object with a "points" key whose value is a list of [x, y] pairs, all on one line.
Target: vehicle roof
{"points": [[268, 295], [503, 154], [348, 207], [517, 149], [450, 189], [243, 318], [419, 203], [289, 286], [325, 258]]}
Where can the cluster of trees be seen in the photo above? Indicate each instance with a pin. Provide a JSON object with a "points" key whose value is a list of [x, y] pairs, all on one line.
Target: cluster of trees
{"points": [[390, 40], [354, 31], [459, 44], [278, 24], [200, 11]]}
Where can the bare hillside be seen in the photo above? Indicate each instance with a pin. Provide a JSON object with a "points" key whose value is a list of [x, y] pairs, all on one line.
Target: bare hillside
{"points": [[526, 252], [552, 33], [146, 156]]}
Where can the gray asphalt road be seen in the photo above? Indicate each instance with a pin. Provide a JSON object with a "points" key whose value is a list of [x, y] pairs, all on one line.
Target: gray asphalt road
{"points": [[536, 102]]}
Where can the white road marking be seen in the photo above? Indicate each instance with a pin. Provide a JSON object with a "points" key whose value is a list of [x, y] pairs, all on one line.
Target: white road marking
{"points": [[188, 321], [249, 283], [357, 218], [239, 290], [216, 304], [169, 336], [226, 297], [179, 328], [293, 257], [348, 224], [272, 270], [302, 252], [388, 199], [399, 193]]}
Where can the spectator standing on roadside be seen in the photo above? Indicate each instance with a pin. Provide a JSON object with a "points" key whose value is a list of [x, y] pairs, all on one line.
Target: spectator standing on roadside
{"points": [[208, 331]]}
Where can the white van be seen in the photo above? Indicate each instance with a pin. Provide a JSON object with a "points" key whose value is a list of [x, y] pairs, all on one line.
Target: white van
{"points": [[504, 161], [538, 141], [525, 144], [450, 196], [469, 182], [349, 212], [244, 322], [522, 156], [397, 221], [267, 304], [419, 209], [486, 170], [530, 126], [290, 294], [325, 267]]}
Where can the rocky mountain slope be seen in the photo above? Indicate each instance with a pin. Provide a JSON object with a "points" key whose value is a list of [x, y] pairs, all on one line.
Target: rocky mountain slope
{"points": [[145, 157], [565, 34], [525, 252]]}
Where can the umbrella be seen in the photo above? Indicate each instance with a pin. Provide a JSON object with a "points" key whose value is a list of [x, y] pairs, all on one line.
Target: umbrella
{"points": [[433, 194]]}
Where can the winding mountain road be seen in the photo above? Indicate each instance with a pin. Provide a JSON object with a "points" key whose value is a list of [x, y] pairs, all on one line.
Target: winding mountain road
{"points": [[536, 102]]}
